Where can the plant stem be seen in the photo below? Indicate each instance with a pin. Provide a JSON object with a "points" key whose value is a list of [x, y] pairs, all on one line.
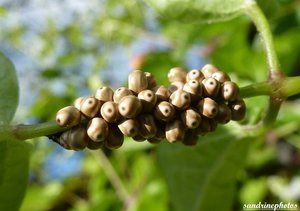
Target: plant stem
{"points": [[274, 73], [290, 86], [257, 89], [23, 132], [272, 111], [263, 28], [112, 176]]}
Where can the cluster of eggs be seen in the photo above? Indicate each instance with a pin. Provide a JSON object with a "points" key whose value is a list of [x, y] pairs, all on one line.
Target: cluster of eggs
{"points": [[192, 105]]}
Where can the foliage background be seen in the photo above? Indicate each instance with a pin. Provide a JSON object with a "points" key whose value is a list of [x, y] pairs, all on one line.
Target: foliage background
{"points": [[66, 49]]}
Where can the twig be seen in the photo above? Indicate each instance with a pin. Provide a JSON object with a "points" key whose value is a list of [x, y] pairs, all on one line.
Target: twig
{"points": [[113, 177]]}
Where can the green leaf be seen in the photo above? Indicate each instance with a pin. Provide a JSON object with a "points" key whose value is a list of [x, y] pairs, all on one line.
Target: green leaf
{"points": [[159, 63], [203, 177], [14, 156], [9, 90], [199, 10], [254, 190], [42, 196], [14, 164]]}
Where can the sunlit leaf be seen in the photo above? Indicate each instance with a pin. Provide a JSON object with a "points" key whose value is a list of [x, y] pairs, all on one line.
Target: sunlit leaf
{"points": [[42, 197], [9, 90], [254, 191], [203, 177], [198, 11]]}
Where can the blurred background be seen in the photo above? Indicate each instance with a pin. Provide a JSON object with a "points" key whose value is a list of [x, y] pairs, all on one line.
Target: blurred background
{"points": [[63, 49]]}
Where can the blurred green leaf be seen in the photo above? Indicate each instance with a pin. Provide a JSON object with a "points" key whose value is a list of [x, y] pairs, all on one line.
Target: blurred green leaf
{"points": [[9, 90], [203, 177], [69, 58], [269, 7], [51, 102], [254, 190], [14, 164], [200, 10], [255, 109], [2, 11], [51, 73], [74, 34], [260, 157], [42, 197], [235, 52], [159, 63], [289, 54], [154, 191]]}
